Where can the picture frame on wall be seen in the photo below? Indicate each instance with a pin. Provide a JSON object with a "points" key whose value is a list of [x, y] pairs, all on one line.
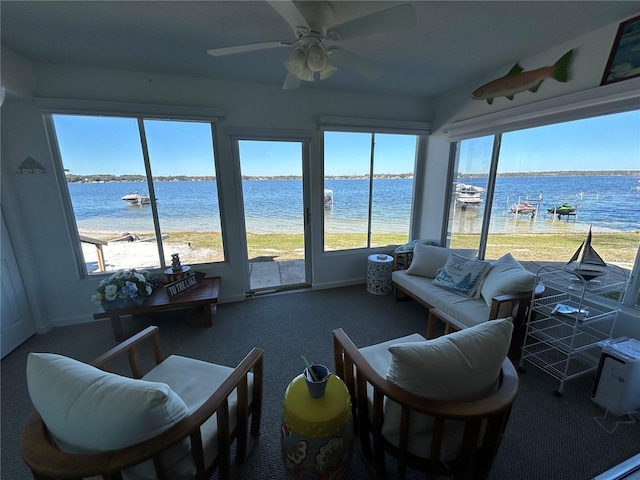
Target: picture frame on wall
{"points": [[624, 59]]}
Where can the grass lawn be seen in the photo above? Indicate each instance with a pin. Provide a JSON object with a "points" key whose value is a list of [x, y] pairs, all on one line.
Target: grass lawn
{"points": [[612, 247]]}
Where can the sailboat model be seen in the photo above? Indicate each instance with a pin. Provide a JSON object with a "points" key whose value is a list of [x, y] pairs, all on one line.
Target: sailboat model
{"points": [[588, 264]]}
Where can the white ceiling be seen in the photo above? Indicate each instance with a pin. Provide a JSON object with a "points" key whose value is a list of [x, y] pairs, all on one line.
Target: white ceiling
{"points": [[453, 42]]}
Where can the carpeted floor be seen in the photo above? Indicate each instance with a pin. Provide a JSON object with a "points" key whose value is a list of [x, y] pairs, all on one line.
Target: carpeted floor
{"points": [[547, 437]]}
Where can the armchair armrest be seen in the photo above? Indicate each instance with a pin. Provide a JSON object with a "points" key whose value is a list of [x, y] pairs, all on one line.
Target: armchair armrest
{"points": [[450, 323], [130, 347]]}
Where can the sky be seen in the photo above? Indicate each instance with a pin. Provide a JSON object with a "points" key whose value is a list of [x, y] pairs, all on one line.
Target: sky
{"points": [[109, 145]]}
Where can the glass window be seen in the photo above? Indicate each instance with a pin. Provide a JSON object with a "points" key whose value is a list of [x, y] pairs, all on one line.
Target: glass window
{"points": [[131, 213], [368, 182], [552, 185]]}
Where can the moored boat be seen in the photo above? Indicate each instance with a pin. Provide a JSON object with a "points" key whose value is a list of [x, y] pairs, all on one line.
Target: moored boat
{"points": [[562, 209], [468, 195], [137, 198], [524, 209], [328, 198]]}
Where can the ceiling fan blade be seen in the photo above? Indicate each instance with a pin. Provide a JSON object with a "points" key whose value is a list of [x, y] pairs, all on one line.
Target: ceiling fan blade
{"points": [[250, 47], [290, 13], [291, 82], [393, 18], [364, 67]]}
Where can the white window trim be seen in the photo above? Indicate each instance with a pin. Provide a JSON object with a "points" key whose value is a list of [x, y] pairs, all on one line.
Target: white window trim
{"points": [[64, 106], [352, 124]]}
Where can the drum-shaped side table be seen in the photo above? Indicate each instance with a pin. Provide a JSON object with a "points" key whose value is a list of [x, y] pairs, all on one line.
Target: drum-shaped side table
{"points": [[379, 268], [317, 433]]}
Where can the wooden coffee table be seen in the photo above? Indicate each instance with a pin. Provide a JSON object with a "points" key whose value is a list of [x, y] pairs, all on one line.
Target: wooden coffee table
{"points": [[205, 296]]}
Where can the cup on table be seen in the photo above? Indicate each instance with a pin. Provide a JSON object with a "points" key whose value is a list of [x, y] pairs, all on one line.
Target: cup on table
{"points": [[316, 389]]}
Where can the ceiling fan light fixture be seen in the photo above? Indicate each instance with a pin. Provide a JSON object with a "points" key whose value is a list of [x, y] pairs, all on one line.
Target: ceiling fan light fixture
{"points": [[327, 71], [306, 74], [317, 59], [296, 63]]}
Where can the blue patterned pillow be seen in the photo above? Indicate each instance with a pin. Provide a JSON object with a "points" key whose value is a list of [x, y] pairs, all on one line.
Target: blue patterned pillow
{"points": [[461, 275]]}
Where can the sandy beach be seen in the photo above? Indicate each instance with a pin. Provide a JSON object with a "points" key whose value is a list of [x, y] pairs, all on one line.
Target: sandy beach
{"points": [[124, 254]]}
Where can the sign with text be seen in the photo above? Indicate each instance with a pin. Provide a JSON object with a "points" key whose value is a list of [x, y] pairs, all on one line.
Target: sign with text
{"points": [[174, 289]]}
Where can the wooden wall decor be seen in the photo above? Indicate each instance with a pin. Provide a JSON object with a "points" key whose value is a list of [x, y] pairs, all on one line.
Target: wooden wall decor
{"points": [[517, 80]]}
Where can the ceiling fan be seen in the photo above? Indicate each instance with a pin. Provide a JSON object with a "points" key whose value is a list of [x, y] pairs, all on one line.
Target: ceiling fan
{"points": [[311, 21]]}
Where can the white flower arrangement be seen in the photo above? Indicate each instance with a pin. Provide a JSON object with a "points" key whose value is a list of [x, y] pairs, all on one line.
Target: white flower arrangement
{"points": [[125, 285]]}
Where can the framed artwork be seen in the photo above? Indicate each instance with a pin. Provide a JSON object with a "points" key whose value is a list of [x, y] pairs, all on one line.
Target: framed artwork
{"points": [[624, 59]]}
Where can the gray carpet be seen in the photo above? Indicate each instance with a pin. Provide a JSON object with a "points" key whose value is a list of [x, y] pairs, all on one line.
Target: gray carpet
{"points": [[547, 437]]}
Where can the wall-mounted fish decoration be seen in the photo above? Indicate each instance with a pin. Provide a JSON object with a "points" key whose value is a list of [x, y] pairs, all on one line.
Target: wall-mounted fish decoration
{"points": [[517, 80]]}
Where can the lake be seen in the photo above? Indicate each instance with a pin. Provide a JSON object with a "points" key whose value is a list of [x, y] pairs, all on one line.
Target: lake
{"points": [[609, 203]]}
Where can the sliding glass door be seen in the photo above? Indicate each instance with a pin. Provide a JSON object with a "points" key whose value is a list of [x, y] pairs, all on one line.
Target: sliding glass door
{"points": [[275, 213]]}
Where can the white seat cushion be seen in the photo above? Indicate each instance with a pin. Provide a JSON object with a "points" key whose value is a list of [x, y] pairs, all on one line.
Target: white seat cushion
{"points": [[468, 310], [194, 388]]}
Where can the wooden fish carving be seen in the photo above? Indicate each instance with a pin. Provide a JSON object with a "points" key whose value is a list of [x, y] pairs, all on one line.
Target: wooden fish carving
{"points": [[517, 80]]}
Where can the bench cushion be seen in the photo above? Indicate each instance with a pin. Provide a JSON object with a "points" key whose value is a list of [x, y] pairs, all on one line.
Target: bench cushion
{"points": [[467, 310]]}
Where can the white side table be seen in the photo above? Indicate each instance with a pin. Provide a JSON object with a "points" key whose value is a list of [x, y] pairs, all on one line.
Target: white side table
{"points": [[379, 268]]}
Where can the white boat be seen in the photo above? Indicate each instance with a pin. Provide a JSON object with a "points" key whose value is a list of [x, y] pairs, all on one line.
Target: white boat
{"points": [[586, 261], [328, 198], [468, 195], [137, 198]]}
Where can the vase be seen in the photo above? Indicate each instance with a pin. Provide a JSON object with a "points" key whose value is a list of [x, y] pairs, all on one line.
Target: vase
{"points": [[121, 303]]}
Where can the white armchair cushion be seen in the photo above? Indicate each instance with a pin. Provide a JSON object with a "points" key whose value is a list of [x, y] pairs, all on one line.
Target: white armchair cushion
{"points": [[461, 366], [88, 410], [461, 275], [506, 276], [202, 380], [428, 259]]}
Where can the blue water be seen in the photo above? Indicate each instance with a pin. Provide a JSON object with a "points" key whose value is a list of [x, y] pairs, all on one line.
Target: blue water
{"points": [[606, 202]]}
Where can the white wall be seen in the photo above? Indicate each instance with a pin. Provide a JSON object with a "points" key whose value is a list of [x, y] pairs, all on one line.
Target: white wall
{"points": [[36, 200]]}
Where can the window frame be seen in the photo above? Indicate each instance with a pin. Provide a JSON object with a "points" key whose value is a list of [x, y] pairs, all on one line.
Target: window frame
{"points": [[615, 98], [420, 130], [139, 112]]}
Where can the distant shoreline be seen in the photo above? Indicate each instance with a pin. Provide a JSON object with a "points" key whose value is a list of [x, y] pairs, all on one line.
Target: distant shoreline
{"points": [[109, 178]]}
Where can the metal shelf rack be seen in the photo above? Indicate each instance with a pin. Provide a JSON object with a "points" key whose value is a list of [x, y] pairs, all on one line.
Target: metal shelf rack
{"points": [[558, 343]]}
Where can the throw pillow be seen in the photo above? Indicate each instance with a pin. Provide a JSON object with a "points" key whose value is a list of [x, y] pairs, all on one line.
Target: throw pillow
{"points": [[408, 247], [90, 410], [461, 275], [428, 259], [461, 366], [506, 276]]}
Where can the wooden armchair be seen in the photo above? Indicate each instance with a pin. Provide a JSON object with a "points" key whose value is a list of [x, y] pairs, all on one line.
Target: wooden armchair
{"points": [[460, 438], [211, 408]]}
